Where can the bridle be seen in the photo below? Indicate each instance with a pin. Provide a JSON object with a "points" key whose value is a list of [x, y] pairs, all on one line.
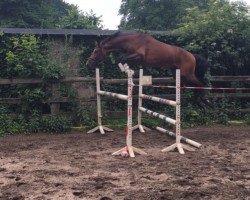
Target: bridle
{"points": [[99, 56]]}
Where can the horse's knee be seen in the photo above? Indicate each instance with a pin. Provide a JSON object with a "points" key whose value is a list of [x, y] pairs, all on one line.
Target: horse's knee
{"points": [[134, 59]]}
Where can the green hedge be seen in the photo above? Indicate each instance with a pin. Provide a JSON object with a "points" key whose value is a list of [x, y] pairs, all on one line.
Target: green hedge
{"points": [[28, 56]]}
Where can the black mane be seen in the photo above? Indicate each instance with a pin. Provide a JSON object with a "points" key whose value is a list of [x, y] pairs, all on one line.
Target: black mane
{"points": [[118, 33], [110, 37]]}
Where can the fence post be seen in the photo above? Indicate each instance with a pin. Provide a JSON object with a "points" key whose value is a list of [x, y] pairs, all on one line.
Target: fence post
{"points": [[55, 105], [139, 116]]}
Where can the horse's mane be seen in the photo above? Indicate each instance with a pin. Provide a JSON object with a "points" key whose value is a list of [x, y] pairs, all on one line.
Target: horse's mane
{"points": [[110, 37], [118, 33]]}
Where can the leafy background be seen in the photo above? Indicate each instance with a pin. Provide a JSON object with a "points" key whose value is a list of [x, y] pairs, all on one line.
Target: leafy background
{"points": [[216, 29]]}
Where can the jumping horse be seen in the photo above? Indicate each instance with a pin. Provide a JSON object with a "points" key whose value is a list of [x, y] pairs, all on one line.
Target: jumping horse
{"points": [[143, 49]]}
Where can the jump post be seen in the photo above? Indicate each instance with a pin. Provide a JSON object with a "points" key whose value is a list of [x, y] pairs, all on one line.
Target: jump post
{"points": [[128, 148], [145, 80]]}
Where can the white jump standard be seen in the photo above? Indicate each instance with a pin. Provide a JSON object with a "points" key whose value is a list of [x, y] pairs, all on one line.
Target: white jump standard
{"points": [[99, 109], [175, 121], [128, 148]]}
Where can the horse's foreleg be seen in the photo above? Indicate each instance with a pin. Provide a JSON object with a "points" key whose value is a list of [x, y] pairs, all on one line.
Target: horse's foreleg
{"points": [[133, 58]]}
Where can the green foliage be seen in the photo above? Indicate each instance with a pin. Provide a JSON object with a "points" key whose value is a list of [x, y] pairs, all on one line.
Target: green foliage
{"points": [[153, 122], [31, 14], [247, 119], [25, 57], [221, 33], [10, 124], [84, 115], [45, 14], [223, 110], [53, 71], [7, 124], [155, 15], [115, 123], [216, 29], [55, 124], [75, 19]]}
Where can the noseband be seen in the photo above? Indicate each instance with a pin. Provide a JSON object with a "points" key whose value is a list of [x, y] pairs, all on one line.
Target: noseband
{"points": [[99, 56]]}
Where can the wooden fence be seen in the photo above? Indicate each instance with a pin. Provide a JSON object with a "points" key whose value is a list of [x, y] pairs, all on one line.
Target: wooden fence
{"points": [[56, 98]]}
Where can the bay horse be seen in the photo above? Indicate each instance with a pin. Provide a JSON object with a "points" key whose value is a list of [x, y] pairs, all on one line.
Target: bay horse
{"points": [[143, 49]]}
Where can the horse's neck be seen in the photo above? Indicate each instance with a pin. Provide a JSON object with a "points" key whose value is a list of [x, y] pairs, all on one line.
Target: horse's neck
{"points": [[116, 44]]}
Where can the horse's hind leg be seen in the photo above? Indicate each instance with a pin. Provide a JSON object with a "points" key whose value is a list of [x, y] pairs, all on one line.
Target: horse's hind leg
{"points": [[199, 94]]}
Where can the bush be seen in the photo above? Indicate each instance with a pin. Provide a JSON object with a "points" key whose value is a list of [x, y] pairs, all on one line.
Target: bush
{"points": [[55, 124], [248, 119], [220, 33], [26, 56], [10, 124]]}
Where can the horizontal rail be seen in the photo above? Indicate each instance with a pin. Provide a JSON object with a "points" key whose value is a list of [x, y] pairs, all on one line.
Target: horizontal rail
{"points": [[213, 95], [136, 80], [171, 80], [115, 81], [199, 88], [159, 100], [67, 99], [77, 32], [20, 81], [76, 79], [37, 81], [230, 79], [160, 116], [116, 95], [183, 139]]}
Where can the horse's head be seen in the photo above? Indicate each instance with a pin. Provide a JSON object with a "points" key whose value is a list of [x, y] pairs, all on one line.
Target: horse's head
{"points": [[97, 56]]}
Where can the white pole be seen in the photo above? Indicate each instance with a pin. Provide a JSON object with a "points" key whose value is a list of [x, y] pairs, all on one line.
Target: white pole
{"points": [[160, 116], [140, 99], [129, 149], [99, 111], [178, 143], [112, 94], [141, 128], [99, 108], [130, 110], [159, 100], [139, 117], [178, 111], [183, 139]]}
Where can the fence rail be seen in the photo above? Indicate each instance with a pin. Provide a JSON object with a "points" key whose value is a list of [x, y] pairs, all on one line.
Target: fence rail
{"points": [[116, 81], [56, 99]]}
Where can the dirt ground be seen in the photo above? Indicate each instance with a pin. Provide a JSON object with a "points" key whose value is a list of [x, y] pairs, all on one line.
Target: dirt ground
{"points": [[80, 166]]}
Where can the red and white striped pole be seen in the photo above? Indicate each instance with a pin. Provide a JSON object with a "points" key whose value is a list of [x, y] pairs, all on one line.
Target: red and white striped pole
{"points": [[129, 149], [198, 88]]}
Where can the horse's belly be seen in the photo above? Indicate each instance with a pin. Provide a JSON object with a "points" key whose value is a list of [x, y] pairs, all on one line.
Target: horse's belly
{"points": [[160, 62], [159, 58]]}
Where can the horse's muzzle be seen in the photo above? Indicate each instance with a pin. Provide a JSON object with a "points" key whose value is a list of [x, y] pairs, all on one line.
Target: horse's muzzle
{"points": [[89, 63]]}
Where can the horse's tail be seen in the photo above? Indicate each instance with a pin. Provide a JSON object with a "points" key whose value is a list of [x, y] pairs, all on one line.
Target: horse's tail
{"points": [[201, 67]]}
